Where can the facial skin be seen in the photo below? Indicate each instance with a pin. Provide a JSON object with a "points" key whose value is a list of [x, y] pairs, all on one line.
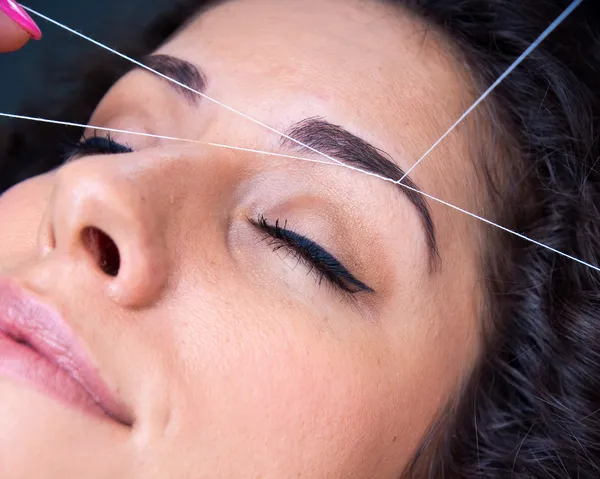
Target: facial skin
{"points": [[234, 360]]}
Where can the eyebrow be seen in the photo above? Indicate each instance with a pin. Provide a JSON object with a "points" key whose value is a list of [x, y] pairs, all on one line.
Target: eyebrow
{"points": [[333, 140], [181, 71], [338, 143]]}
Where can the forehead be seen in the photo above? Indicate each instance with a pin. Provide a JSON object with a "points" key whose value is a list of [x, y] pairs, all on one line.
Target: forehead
{"points": [[368, 65]]}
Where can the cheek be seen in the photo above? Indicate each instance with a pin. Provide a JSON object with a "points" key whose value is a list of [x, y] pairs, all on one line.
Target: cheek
{"points": [[21, 212], [281, 393]]}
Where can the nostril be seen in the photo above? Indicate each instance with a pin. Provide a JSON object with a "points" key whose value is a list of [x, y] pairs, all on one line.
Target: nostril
{"points": [[103, 249]]}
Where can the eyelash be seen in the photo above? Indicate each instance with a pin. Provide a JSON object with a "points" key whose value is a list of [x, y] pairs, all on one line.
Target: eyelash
{"points": [[95, 145], [317, 258]]}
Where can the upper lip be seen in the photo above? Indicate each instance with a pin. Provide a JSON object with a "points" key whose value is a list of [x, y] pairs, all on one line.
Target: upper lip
{"points": [[27, 319]]}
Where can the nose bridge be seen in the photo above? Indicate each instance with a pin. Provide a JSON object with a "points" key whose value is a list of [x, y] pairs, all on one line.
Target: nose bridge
{"points": [[105, 216]]}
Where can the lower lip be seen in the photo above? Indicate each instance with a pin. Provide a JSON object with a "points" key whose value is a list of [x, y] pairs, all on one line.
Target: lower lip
{"points": [[22, 364]]}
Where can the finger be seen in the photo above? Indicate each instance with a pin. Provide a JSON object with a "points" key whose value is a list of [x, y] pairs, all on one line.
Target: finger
{"points": [[16, 26], [12, 37]]}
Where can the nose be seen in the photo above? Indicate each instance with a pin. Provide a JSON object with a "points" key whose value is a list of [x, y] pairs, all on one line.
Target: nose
{"points": [[104, 217]]}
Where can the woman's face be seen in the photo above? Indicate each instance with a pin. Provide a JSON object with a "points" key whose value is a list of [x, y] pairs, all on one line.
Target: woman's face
{"points": [[255, 316]]}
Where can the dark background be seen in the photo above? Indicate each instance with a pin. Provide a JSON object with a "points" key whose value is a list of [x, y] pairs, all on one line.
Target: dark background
{"points": [[63, 76], [25, 74]]}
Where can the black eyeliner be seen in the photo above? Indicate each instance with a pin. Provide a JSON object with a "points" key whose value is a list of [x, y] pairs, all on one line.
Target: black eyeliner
{"points": [[318, 258]]}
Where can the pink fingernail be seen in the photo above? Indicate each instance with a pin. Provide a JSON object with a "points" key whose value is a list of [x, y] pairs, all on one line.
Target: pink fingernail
{"points": [[16, 13]]}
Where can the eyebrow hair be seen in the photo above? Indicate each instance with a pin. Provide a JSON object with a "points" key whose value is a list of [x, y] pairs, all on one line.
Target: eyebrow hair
{"points": [[181, 71], [337, 142], [333, 140]]}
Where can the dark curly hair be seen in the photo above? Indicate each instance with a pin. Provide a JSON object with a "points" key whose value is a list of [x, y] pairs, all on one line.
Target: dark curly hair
{"points": [[531, 408]]}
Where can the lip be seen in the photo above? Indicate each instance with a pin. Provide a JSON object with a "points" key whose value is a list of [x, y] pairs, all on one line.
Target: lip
{"points": [[38, 347]]}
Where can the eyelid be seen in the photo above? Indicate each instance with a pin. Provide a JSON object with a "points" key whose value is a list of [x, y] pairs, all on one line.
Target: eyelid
{"points": [[317, 258]]}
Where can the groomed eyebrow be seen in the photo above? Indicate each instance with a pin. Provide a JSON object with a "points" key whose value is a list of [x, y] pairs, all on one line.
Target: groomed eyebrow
{"points": [[333, 140], [180, 70], [338, 143]]}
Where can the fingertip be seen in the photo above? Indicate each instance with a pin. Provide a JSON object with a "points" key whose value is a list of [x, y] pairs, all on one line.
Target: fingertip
{"points": [[15, 12], [12, 37]]}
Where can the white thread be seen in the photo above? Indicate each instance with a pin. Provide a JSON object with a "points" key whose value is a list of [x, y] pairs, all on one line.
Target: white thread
{"points": [[162, 137], [182, 85], [519, 235], [375, 175], [502, 77]]}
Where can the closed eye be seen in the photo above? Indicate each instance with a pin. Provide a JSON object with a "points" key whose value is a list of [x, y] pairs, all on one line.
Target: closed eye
{"points": [[318, 259], [95, 145]]}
